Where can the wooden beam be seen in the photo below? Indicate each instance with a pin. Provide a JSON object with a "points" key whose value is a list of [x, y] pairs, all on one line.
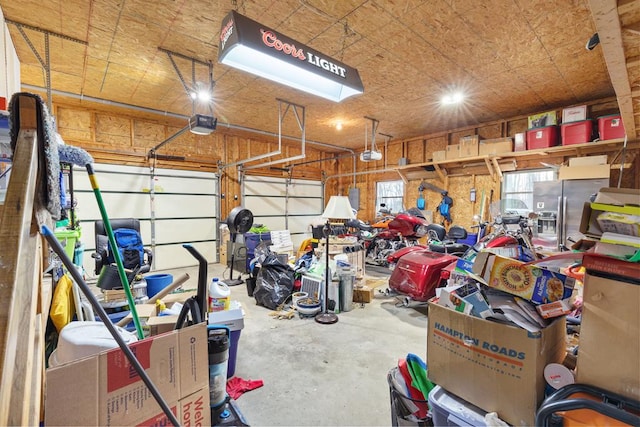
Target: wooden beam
{"points": [[607, 20]]}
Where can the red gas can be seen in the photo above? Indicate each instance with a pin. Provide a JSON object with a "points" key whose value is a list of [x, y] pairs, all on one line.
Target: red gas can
{"points": [[417, 274]]}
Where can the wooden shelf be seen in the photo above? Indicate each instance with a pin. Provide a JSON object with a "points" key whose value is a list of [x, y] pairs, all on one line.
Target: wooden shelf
{"points": [[496, 165]]}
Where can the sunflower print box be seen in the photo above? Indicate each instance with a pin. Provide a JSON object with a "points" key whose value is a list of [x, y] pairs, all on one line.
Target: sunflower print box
{"points": [[530, 282]]}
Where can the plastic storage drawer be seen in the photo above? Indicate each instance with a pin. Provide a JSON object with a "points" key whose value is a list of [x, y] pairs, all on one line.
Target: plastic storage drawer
{"points": [[544, 137], [449, 410], [610, 127], [576, 132]]}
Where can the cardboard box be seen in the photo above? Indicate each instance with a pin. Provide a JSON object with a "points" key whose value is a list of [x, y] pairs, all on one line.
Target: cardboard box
{"points": [[494, 366], [438, 156], [497, 146], [452, 152], [468, 146], [362, 294], [574, 114], [608, 199], [588, 160], [541, 120], [105, 390], [619, 223], [584, 172], [609, 345], [527, 281], [193, 410], [621, 200]]}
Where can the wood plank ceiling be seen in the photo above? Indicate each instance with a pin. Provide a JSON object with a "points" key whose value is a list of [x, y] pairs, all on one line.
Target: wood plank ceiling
{"points": [[509, 57]]}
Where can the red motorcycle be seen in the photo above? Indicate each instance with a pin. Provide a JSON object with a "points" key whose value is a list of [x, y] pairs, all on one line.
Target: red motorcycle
{"points": [[420, 270], [402, 231]]}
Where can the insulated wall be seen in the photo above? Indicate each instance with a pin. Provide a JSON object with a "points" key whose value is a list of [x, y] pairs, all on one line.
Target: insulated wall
{"points": [[183, 209], [282, 204]]}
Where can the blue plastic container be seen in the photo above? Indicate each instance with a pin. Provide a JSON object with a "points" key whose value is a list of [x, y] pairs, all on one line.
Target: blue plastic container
{"points": [[157, 282]]}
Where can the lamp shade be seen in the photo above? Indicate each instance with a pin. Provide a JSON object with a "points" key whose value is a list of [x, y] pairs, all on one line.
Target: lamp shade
{"points": [[247, 45], [338, 208]]}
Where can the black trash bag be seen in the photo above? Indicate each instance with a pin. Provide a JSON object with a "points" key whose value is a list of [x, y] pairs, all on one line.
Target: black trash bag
{"points": [[274, 283]]}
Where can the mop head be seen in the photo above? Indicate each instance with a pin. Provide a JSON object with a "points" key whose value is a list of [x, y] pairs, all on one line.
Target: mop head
{"points": [[74, 155], [48, 185]]}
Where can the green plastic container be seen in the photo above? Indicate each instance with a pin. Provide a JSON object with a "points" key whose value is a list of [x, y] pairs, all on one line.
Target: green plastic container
{"points": [[68, 240]]}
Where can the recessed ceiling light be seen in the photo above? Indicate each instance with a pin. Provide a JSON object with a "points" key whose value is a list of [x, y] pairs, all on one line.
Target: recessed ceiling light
{"points": [[454, 98], [339, 125]]}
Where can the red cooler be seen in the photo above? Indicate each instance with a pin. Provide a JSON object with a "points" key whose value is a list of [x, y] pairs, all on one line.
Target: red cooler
{"points": [[544, 137], [417, 274], [576, 132], [610, 127]]}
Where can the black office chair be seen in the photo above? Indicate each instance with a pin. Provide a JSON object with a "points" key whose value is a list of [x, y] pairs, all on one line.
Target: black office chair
{"points": [[101, 254]]}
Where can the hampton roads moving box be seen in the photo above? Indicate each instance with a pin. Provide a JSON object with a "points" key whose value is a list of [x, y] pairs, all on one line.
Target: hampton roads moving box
{"points": [[106, 390], [496, 367]]}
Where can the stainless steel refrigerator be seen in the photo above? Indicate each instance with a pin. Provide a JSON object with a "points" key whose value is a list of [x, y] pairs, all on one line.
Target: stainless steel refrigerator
{"points": [[559, 207]]}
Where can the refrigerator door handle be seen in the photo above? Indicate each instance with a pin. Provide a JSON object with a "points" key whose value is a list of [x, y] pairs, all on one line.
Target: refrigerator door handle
{"points": [[563, 228], [559, 223]]}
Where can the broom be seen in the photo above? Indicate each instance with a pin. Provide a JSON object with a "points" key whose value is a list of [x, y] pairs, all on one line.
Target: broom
{"points": [[78, 156]]}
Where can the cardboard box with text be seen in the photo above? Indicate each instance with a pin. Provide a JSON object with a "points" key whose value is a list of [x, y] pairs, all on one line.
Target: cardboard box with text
{"points": [[497, 367], [105, 389]]}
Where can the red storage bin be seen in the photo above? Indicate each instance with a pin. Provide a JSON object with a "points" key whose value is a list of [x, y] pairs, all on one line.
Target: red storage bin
{"points": [[544, 137], [576, 132], [610, 127]]}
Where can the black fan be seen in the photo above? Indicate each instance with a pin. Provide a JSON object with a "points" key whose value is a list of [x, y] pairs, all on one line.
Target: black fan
{"points": [[240, 220]]}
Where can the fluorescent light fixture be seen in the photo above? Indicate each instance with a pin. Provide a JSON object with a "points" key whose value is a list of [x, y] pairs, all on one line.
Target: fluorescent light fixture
{"points": [[455, 98], [254, 48]]}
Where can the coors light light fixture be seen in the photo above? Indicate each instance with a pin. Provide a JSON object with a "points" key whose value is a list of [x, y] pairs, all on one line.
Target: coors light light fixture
{"points": [[252, 47]]}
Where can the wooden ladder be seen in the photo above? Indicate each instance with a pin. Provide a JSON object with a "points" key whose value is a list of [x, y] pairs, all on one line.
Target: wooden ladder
{"points": [[24, 294]]}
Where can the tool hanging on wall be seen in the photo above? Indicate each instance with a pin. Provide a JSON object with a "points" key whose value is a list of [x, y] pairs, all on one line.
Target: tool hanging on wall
{"points": [[421, 202]]}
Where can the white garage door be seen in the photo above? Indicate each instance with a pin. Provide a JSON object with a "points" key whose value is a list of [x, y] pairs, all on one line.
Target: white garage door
{"points": [[184, 210], [282, 204]]}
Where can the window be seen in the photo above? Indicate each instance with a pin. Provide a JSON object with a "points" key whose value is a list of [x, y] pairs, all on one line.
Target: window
{"points": [[517, 189], [390, 193]]}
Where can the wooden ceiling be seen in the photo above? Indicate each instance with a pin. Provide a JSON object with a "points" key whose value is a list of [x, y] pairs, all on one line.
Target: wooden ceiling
{"points": [[509, 57]]}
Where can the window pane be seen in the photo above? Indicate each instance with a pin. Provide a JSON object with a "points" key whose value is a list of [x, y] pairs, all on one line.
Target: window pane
{"points": [[517, 188], [390, 193]]}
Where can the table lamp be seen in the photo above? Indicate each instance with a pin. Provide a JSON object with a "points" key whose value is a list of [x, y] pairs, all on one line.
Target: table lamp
{"points": [[338, 208]]}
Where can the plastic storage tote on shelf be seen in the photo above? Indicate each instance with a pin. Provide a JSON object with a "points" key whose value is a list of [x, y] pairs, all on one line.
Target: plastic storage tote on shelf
{"points": [[542, 137], [610, 127], [576, 132], [449, 410]]}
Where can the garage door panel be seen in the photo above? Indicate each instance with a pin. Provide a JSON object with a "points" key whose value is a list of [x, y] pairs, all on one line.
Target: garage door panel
{"points": [[302, 206], [184, 205], [117, 205], [184, 230], [268, 189], [176, 256], [265, 205], [185, 184]]}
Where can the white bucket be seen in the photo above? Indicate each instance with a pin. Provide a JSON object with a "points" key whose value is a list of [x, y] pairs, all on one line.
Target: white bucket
{"points": [[78, 340], [297, 296]]}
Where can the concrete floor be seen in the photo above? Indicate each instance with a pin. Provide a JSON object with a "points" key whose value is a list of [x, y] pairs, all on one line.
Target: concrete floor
{"points": [[321, 375]]}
